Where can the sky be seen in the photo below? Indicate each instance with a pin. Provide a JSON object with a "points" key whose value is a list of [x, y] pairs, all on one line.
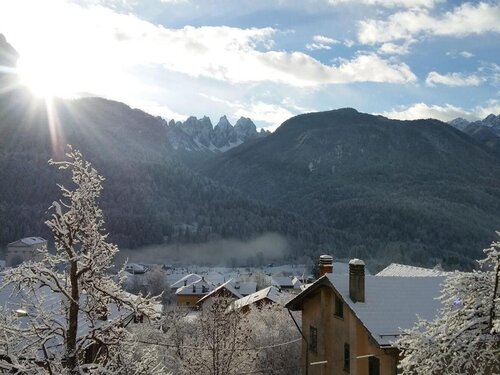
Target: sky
{"points": [[264, 59]]}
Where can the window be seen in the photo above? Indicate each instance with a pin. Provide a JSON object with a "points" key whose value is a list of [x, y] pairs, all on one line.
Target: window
{"points": [[339, 307], [313, 339], [373, 366], [347, 358]]}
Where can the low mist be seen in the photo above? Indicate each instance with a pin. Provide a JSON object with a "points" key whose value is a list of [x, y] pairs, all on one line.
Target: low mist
{"points": [[261, 250]]}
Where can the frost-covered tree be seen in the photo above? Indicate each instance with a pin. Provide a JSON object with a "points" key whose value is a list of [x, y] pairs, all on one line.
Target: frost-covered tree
{"points": [[465, 336], [74, 313], [222, 340], [277, 342]]}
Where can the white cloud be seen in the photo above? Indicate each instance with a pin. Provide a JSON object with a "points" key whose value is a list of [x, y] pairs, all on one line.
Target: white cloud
{"points": [[390, 3], [491, 106], [395, 49], [272, 114], [100, 46], [466, 54], [464, 20], [453, 79], [445, 113], [348, 43], [321, 42]]}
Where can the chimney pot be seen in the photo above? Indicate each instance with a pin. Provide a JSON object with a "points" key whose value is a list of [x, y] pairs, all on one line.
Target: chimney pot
{"points": [[357, 280], [325, 265]]}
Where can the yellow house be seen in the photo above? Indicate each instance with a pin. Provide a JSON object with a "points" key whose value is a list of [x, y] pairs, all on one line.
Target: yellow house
{"points": [[189, 295], [349, 323]]}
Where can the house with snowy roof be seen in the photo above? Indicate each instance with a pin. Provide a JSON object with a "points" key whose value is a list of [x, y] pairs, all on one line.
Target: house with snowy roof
{"points": [[350, 322], [226, 290], [263, 297], [23, 250], [190, 294], [185, 281]]}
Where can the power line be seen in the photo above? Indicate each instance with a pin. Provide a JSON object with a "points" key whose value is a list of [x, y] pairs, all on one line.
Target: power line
{"points": [[221, 349], [263, 371]]}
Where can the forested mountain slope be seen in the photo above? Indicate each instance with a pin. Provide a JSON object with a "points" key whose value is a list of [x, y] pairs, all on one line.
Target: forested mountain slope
{"points": [[414, 191], [148, 197]]}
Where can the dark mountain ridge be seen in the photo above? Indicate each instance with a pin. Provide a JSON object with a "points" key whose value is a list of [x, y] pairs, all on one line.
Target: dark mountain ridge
{"points": [[417, 191]]}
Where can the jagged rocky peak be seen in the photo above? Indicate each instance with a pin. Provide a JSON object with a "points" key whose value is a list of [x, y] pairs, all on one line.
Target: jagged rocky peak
{"points": [[224, 123], [459, 123], [491, 121], [245, 128], [222, 137]]}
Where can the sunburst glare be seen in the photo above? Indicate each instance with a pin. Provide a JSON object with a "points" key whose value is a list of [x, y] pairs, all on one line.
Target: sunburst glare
{"points": [[44, 79]]}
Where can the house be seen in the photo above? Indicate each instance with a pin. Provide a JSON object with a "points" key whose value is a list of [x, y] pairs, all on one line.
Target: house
{"points": [[189, 295], [23, 250], [226, 290], [260, 298], [185, 281], [350, 322]]}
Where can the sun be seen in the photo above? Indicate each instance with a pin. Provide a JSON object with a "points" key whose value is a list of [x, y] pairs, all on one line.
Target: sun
{"points": [[45, 79]]}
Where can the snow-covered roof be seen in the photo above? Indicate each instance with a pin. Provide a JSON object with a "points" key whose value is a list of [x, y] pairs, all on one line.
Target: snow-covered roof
{"points": [[392, 303], [27, 241], [227, 287], [396, 269], [199, 287], [135, 268], [296, 283], [245, 288], [282, 281], [186, 280], [271, 292]]}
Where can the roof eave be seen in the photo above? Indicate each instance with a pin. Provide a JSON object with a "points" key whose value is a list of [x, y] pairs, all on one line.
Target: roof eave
{"points": [[295, 304]]}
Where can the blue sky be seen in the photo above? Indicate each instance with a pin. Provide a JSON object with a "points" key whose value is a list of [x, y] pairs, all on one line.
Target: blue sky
{"points": [[267, 60]]}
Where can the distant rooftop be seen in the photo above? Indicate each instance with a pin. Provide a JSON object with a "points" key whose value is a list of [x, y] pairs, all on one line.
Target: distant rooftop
{"points": [[396, 269], [272, 293], [186, 280], [228, 286], [199, 287], [28, 241]]}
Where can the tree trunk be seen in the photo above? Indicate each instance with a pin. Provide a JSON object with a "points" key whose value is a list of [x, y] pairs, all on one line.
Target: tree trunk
{"points": [[71, 355]]}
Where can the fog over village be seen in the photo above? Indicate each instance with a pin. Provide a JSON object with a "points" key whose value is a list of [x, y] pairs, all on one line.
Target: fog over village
{"points": [[250, 187]]}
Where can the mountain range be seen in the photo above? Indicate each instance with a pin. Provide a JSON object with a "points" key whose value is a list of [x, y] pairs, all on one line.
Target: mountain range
{"points": [[199, 135], [340, 182]]}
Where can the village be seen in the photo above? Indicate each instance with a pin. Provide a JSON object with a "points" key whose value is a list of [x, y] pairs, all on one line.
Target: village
{"points": [[345, 319]]}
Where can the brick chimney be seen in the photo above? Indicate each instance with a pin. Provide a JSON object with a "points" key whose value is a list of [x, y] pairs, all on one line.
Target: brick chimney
{"points": [[325, 264], [357, 280]]}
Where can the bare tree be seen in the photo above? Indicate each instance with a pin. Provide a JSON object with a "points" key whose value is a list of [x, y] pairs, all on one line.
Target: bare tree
{"points": [[221, 343], [277, 343], [84, 330]]}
